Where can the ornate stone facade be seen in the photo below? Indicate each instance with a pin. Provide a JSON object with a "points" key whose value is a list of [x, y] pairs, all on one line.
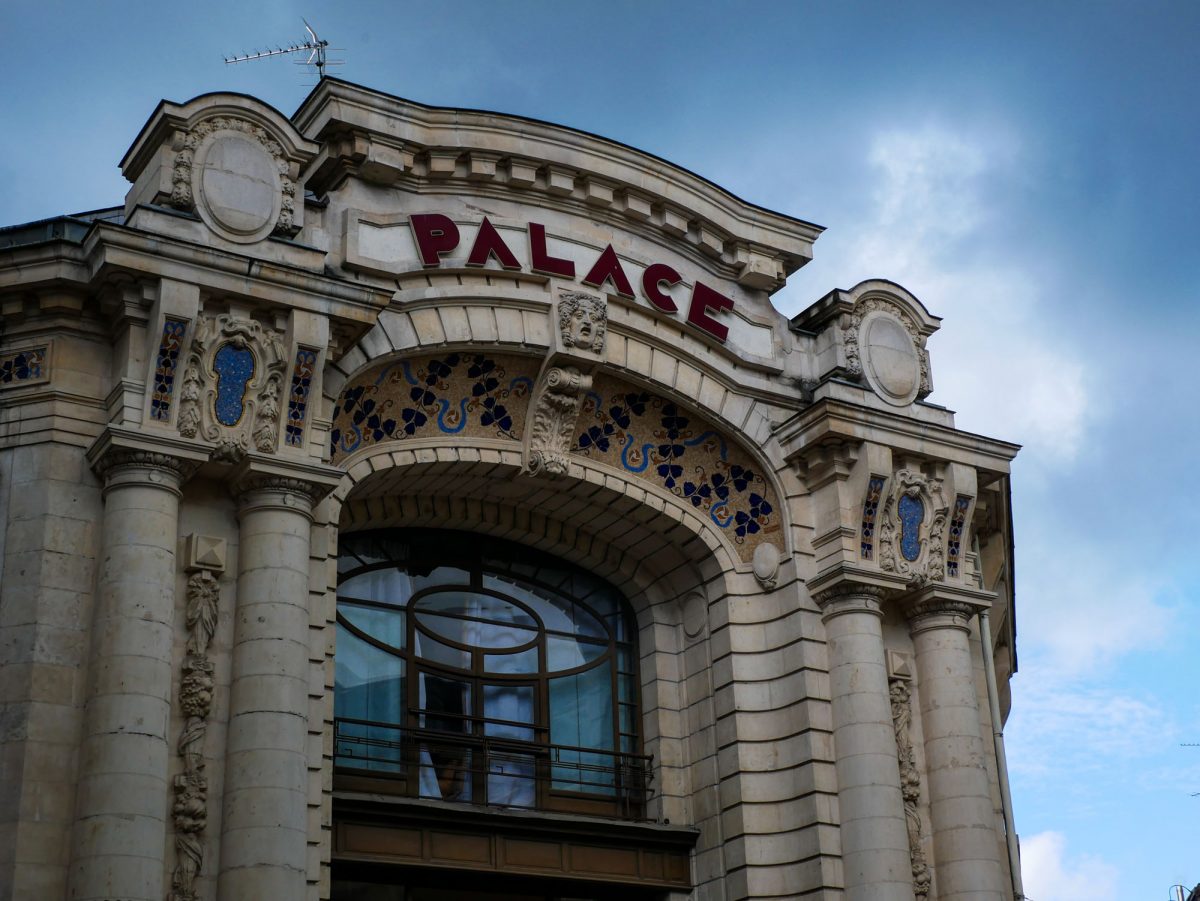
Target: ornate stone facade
{"points": [[294, 331]]}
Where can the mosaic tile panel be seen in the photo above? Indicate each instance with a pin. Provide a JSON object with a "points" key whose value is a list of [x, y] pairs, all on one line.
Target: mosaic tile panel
{"points": [[302, 375], [475, 395], [164, 369], [911, 511], [27, 365], [958, 524], [870, 511], [675, 449], [234, 367]]}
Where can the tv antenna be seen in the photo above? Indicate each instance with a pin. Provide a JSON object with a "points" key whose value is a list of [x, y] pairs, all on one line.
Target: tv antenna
{"points": [[314, 47]]}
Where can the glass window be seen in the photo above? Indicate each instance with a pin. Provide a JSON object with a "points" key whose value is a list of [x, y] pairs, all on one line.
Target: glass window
{"points": [[476, 670]]}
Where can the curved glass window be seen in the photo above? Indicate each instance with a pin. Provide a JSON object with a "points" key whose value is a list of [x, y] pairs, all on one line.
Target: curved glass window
{"points": [[477, 670]]}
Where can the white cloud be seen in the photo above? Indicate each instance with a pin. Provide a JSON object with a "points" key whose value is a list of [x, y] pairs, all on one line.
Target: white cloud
{"points": [[1070, 735], [1049, 874], [1013, 373]]}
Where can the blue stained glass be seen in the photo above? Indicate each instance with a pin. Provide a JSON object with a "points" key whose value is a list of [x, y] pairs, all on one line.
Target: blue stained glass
{"points": [[234, 367], [912, 513]]}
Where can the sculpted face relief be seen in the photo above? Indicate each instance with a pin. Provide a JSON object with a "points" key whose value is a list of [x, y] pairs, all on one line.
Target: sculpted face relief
{"points": [[436, 234]]}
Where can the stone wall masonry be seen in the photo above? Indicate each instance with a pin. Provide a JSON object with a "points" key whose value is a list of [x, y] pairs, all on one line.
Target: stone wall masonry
{"points": [[49, 508]]}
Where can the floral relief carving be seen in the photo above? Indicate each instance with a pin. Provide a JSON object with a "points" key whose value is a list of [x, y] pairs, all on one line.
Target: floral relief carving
{"points": [[910, 783], [555, 412], [912, 528], [190, 810], [181, 174], [851, 335], [232, 386]]}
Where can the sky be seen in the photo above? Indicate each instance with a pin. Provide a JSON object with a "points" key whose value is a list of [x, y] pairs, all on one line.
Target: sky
{"points": [[1030, 170]]}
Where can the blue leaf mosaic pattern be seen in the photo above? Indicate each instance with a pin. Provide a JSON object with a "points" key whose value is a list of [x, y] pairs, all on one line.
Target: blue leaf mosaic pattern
{"points": [[22, 366], [164, 368], [957, 526], [912, 513], [870, 511], [481, 395], [234, 367], [659, 441], [302, 375]]}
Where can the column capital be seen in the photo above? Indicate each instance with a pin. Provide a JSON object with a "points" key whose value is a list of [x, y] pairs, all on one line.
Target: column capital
{"points": [[261, 481], [941, 606], [123, 456], [843, 589]]}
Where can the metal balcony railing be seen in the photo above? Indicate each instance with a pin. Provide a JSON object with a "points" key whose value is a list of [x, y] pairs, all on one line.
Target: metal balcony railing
{"points": [[477, 766]]}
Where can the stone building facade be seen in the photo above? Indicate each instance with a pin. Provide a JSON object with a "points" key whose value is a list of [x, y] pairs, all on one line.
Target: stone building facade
{"points": [[400, 502]]}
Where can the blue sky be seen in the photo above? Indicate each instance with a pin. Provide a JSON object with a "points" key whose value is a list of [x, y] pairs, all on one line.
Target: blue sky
{"points": [[1029, 170]]}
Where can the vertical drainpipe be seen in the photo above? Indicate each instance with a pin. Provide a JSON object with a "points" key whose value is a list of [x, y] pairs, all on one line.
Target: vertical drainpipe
{"points": [[1010, 832]]}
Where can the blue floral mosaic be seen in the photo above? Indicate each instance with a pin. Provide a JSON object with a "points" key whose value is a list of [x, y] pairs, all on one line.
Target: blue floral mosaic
{"points": [[302, 375], [653, 437], [870, 511], [912, 513], [459, 393], [164, 369], [957, 526], [234, 367], [23, 366]]}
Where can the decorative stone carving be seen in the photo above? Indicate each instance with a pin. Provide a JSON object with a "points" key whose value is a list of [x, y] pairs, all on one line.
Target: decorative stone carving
{"points": [[910, 781], [766, 566], [119, 457], [852, 335], [237, 177], [190, 810], [912, 528], [232, 386], [555, 412], [583, 321]]}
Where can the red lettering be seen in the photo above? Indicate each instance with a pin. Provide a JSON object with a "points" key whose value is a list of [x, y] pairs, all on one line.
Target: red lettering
{"points": [[704, 299], [540, 260], [660, 274], [606, 268], [435, 234], [489, 243]]}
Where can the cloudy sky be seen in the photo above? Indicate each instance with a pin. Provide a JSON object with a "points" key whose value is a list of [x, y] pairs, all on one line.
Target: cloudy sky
{"points": [[1028, 169]]}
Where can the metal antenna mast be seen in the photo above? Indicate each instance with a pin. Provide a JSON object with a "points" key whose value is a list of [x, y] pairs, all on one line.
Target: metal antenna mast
{"points": [[314, 46]]}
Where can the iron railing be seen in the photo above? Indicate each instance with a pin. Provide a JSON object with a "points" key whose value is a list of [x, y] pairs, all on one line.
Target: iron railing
{"points": [[494, 770]]}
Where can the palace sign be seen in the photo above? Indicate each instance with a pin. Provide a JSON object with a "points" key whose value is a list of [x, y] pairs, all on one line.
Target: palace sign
{"points": [[436, 234]]}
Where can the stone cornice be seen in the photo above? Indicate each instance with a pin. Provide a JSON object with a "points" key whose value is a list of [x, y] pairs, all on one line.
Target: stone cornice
{"points": [[527, 154], [845, 580], [266, 481], [829, 419], [118, 449], [940, 605]]}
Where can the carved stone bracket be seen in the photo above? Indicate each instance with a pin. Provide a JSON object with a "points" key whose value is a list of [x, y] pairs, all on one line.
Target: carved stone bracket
{"points": [[557, 400], [232, 386], [565, 379], [912, 529], [190, 810], [910, 777]]}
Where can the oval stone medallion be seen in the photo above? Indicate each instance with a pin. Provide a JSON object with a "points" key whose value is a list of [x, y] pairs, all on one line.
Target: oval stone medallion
{"points": [[892, 362], [239, 185]]}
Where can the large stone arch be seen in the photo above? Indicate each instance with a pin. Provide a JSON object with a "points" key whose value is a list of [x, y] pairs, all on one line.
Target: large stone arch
{"points": [[667, 560]]}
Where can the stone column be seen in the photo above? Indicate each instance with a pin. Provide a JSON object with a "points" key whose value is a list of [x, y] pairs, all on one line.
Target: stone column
{"points": [[124, 796], [963, 819], [264, 826], [875, 856]]}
